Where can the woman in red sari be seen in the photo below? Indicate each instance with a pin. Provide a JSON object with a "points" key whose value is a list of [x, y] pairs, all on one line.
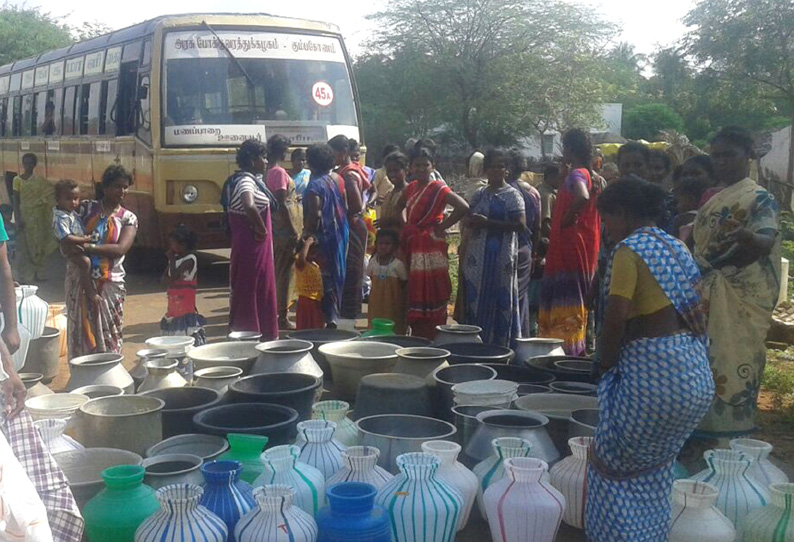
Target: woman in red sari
{"points": [[425, 246], [572, 257]]}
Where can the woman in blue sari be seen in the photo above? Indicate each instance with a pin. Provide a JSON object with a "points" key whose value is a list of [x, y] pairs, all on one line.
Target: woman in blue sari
{"points": [[490, 268], [325, 218], [656, 384]]}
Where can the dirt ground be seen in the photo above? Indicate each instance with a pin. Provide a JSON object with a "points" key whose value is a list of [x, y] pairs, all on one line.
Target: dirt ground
{"points": [[146, 304]]}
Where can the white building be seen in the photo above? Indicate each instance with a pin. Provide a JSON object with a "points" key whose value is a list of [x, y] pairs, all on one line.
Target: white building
{"points": [[550, 144]]}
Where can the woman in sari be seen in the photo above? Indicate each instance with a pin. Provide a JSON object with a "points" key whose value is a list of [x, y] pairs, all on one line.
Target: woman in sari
{"points": [[573, 250], [97, 327], [33, 198], [528, 238], [287, 221], [656, 384], [356, 184], [737, 247], [324, 218], [252, 276], [490, 268], [425, 246]]}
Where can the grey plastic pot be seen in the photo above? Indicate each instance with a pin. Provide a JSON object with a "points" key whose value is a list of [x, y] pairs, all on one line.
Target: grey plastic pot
{"points": [[276, 422]]}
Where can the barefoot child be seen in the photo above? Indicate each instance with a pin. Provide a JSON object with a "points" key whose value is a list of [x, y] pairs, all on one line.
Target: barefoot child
{"points": [[70, 233], [388, 297], [182, 317], [309, 286]]}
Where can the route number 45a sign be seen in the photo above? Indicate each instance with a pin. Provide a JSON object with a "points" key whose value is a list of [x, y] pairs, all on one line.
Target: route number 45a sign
{"points": [[322, 93]]}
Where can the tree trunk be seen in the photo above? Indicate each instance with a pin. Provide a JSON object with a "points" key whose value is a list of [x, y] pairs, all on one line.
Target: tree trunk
{"points": [[790, 172]]}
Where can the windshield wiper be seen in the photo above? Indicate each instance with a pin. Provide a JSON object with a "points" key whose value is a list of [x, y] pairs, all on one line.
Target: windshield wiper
{"points": [[228, 52]]}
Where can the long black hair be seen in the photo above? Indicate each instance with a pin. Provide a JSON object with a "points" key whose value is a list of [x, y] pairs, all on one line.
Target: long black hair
{"points": [[636, 197]]}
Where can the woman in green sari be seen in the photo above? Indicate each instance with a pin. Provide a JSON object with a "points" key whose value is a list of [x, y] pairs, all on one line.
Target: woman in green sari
{"points": [[737, 247], [34, 198]]}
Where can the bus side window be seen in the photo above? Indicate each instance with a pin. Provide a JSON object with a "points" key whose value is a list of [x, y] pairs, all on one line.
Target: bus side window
{"points": [[3, 116], [40, 116], [68, 111], [125, 110], [107, 107], [17, 116], [49, 125], [27, 114], [82, 114], [144, 122]]}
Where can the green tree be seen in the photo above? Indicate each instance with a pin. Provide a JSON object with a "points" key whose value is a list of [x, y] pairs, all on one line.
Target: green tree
{"points": [[90, 29], [621, 74], [480, 63], [649, 120], [27, 32], [748, 40]]}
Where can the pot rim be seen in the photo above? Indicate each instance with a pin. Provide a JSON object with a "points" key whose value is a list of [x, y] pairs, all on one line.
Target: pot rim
{"points": [[414, 353], [155, 353], [206, 372], [238, 336], [300, 334], [234, 387], [447, 382], [214, 401], [85, 390], [563, 365], [459, 329], [48, 333], [300, 345], [482, 417], [88, 452], [169, 342], [153, 450], [195, 353], [77, 399], [539, 340], [155, 407], [31, 378], [194, 459], [293, 416], [441, 423], [96, 360], [325, 349]]}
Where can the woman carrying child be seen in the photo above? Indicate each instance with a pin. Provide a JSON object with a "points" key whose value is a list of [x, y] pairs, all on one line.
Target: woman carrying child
{"points": [[182, 318]]}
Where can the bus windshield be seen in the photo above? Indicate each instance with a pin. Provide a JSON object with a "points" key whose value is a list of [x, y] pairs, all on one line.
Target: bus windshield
{"points": [[295, 85]]}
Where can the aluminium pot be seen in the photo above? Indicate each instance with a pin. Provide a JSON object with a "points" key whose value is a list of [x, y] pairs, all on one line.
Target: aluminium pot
{"points": [[403, 341], [83, 469], [99, 369], [351, 361], [127, 422], [557, 407], [33, 385], [207, 447], [240, 354], [396, 434], [319, 337], [447, 377], [286, 356], [44, 354], [421, 361], [562, 368], [217, 378], [532, 347], [166, 469], [94, 392], [181, 404], [512, 423], [457, 333], [583, 422]]}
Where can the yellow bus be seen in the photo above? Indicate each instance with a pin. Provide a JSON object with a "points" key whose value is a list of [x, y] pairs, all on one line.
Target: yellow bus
{"points": [[171, 99]]}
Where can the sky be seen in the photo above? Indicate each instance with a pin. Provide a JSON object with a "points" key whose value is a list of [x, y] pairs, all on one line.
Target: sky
{"points": [[645, 23]]}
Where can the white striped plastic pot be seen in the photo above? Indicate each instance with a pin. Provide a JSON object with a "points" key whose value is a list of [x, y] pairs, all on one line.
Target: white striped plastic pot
{"points": [[774, 522], [182, 518], [276, 519], [421, 506], [283, 468], [522, 506], [569, 477], [318, 446]]}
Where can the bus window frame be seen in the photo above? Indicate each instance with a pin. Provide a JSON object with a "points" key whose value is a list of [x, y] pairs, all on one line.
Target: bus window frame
{"points": [[3, 115], [27, 114], [68, 121]]}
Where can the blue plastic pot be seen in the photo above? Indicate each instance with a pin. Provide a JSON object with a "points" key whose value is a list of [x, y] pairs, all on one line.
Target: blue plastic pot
{"points": [[352, 515]]}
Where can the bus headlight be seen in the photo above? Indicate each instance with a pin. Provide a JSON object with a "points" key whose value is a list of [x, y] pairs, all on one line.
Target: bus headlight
{"points": [[189, 193]]}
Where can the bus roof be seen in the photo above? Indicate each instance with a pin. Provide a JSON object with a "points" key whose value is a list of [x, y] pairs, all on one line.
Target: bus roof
{"points": [[147, 28]]}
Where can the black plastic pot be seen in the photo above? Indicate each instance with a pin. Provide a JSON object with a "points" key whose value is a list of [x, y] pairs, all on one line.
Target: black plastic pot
{"points": [[547, 363], [477, 353], [294, 390], [276, 422], [181, 404], [520, 374], [531, 389]]}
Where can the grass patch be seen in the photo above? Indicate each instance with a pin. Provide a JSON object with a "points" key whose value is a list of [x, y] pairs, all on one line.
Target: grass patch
{"points": [[778, 382]]}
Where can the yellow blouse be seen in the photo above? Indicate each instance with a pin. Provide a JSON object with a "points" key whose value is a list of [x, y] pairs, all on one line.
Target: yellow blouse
{"points": [[631, 279]]}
